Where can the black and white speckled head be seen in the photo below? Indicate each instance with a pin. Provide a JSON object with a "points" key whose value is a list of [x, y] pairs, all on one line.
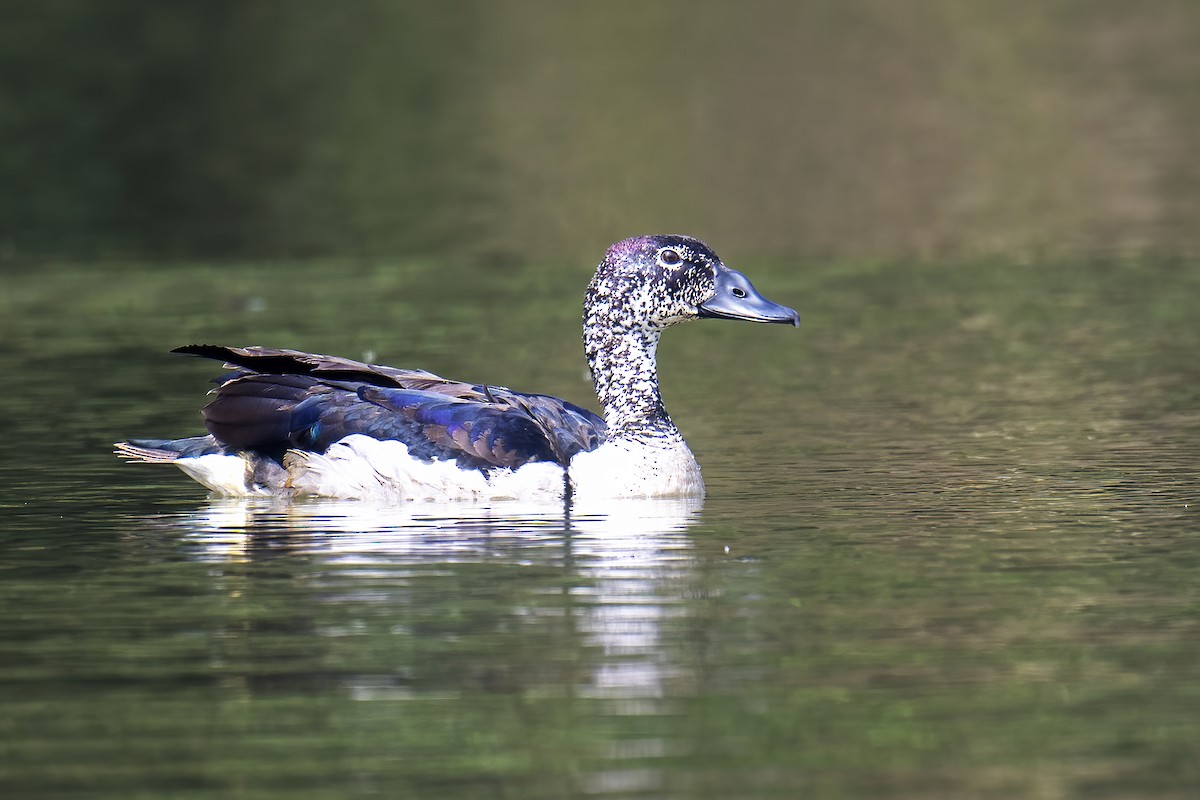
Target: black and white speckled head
{"points": [[657, 281], [644, 285], [651, 281]]}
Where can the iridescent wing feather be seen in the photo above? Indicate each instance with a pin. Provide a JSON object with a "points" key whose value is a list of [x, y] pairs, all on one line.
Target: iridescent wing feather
{"points": [[274, 400]]}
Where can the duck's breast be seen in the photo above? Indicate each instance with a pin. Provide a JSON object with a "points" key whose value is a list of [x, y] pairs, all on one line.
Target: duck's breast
{"points": [[621, 468]]}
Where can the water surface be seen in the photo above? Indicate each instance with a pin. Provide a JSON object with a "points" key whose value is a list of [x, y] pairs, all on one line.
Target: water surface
{"points": [[949, 549]]}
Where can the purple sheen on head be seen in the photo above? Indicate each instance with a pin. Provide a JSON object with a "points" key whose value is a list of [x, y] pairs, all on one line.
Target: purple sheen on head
{"points": [[636, 247], [630, 248]]}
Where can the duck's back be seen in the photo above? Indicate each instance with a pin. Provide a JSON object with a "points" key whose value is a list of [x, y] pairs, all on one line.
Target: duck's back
{"points": [[278, 404]]}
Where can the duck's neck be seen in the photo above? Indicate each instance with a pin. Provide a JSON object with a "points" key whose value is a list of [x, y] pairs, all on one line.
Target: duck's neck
{"points": [[625, 374]]}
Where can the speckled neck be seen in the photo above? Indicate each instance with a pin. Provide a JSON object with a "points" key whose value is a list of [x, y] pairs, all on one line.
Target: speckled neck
{"points": [[643, 286], [625, 374]]}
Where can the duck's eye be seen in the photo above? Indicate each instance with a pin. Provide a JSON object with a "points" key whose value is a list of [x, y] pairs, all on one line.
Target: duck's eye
{"points": [[668, 257], [738, 292]]}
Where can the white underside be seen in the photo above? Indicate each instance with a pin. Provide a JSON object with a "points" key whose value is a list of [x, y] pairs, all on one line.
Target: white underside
{"points": [[224, 475], [359, 467]]}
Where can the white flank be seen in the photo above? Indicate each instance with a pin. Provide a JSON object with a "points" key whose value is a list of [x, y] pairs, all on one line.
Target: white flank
{"points": [[359, 467]]}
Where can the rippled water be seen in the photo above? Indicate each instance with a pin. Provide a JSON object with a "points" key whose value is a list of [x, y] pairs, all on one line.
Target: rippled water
{"points": [[949, 550]]}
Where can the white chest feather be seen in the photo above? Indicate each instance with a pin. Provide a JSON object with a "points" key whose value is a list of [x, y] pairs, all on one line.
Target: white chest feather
{"points": [[637, 469]]}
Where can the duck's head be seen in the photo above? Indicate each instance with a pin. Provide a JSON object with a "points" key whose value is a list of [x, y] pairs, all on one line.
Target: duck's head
{"points": [[657, 281]]}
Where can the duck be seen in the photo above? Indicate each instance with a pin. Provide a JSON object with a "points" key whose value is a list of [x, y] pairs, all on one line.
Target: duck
{"points": [[288, 423]]}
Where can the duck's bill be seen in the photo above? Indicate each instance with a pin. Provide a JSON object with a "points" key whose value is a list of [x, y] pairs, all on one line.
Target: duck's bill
{"points": [[734, 297]]}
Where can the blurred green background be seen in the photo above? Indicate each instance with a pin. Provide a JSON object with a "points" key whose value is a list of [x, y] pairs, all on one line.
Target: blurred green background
{"points": [[544, 130]]}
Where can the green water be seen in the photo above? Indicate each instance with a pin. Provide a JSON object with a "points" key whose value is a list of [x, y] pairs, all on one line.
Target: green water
{"points": [[949, 548]]}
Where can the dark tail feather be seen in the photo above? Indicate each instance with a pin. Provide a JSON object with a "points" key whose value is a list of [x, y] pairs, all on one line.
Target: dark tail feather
{"points": [[255, 411], [164, 451]]}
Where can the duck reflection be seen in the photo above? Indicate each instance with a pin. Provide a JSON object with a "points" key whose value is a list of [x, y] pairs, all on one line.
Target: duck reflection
{"points": [[417, 599]]}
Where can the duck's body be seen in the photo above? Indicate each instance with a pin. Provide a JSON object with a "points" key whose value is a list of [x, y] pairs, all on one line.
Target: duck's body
{"points": [[287, 422]]}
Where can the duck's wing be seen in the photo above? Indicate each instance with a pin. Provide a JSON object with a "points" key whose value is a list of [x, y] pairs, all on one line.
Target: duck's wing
{"points": [[275, 400]]}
